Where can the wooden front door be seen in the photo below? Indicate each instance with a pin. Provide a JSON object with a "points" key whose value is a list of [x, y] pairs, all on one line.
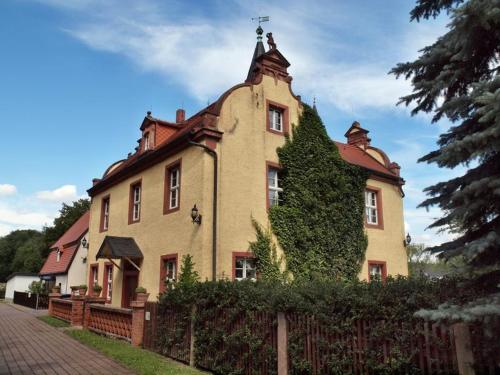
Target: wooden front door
{"points": [[130, 283]]}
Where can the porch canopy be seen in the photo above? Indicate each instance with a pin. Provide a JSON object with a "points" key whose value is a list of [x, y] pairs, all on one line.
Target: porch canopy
{"points": [[119, 248]]}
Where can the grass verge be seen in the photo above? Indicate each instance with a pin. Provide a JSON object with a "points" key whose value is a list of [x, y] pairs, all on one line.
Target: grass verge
{"points": [[142, 361], [54, 322]]}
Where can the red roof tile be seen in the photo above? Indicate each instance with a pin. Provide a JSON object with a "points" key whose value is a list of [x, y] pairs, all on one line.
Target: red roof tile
{"points": [[67, 245], [52, 266], [74, 233], [355, 155]]}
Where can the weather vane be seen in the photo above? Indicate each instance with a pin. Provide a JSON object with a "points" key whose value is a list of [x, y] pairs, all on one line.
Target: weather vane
{"points": [[261, 19]]}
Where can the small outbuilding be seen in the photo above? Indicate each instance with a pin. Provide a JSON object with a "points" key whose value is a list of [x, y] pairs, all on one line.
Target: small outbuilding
{"points": [[20, 282]]}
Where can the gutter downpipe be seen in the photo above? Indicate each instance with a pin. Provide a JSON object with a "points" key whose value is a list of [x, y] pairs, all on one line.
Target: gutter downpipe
{"points": [[213, 154]]}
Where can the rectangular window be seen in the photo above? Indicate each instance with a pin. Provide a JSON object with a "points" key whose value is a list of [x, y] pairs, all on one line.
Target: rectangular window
{"points": [[168, 270], [94, 272], [135, 202], [275, 190], [244, 266], [58, 256], [146, 142], [371, 207], [105, 213], [108, 282], [275, 119], [172, 187], [377, 271]]}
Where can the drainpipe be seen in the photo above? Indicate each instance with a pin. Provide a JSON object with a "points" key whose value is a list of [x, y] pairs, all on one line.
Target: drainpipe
{"points": [[213, 154]]}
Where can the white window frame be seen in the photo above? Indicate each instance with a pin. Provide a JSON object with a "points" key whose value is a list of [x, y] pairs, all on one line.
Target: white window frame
{"points": [[58, 255], [105, 218], [276, 119], [109, 281], [146, 141], [246, 268], [136, 202], [376, 275], [173, 263], [371, 208], [174, 187], [273, 183]]}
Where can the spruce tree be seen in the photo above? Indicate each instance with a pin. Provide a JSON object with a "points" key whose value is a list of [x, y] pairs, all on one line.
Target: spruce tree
{"points": [[319, 224], [457, 78]]}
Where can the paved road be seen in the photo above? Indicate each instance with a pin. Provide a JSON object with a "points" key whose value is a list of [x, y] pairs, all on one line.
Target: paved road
{"points": [[30, 346]]}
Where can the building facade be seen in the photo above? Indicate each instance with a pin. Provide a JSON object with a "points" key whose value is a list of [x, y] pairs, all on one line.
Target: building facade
{"points": [[66, 265], [193, 186]]}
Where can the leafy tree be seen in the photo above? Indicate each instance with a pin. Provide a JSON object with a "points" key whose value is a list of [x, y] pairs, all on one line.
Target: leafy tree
{"points": [[68, 214], [457, 78], [421, 261], [9, 245], [320, 223], [28, 256], [188, 276]]}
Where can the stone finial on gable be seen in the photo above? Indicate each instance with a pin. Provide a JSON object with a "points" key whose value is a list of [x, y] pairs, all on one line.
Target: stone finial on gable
{"points": [[357, 136]]}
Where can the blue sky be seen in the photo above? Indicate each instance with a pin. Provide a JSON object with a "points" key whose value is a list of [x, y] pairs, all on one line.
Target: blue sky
{"points": [[77, 77]]}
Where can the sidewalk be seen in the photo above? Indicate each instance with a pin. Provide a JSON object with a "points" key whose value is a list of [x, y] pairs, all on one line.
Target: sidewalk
{"points": [[30, 346]]}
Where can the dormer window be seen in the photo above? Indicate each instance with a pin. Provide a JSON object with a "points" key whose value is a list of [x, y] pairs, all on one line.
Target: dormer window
{"points": [[58, 255], [147, 145]]}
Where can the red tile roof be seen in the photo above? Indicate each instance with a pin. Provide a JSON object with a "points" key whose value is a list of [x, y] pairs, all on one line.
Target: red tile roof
{"points": [[68, 246], [52, 266], [355, 155], [74, 233]]}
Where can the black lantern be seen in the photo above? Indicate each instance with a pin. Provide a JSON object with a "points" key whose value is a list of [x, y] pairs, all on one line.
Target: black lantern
{"points": [[84, 243], [407, 241], [195, 215]]}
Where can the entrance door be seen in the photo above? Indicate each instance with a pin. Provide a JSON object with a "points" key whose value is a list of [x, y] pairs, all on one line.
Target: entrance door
{"points": [[130, 283]]}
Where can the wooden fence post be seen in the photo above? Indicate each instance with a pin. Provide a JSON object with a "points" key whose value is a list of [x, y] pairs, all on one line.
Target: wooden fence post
{"points": [[282, 344], [191, 342], [465, 357]]}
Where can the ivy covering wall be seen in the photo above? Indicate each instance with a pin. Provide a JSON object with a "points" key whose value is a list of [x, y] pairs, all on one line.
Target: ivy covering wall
{"points": [[319, 224]]}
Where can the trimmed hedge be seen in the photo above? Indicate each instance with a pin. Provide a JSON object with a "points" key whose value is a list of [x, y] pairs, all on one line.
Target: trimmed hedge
{"points": [[228, 324]]}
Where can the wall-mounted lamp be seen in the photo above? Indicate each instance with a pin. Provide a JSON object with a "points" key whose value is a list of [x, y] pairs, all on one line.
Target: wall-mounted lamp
{"points": [[407, 240], [195, 215], [85, 243]]}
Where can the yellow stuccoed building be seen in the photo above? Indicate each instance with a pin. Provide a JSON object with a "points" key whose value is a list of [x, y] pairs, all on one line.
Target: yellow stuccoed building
{"points": [[159, 204]]}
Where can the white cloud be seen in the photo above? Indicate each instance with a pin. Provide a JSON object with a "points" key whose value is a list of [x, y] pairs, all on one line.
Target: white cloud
{"points": [[17, 217], [207, 56], [65, 193], [7, 189]]}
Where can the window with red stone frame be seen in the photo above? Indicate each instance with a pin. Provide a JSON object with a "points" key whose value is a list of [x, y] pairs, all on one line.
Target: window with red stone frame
{"points": [[274, 111], [172, 194], [168, 270], [374, 214], [107, 282], [93, 276], [135, 202], [377, 269], [244, 266]]}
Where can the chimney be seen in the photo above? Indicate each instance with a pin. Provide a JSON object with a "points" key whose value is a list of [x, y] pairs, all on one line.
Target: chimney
{"points": [[357, 136], [95, 181], [180, 115]]}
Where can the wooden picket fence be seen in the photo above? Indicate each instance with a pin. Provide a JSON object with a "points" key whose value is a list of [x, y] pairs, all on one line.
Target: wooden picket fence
{"points": [[315, 346], [31, 300]]}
